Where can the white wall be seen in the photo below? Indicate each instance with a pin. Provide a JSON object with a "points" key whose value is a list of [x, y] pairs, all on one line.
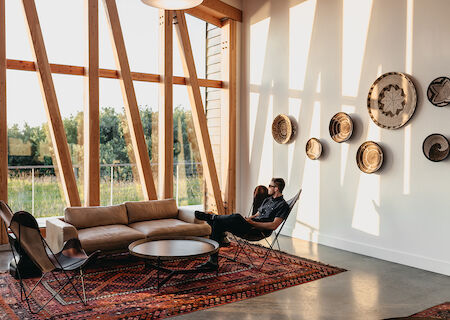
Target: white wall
{"points": [[311, 59]]}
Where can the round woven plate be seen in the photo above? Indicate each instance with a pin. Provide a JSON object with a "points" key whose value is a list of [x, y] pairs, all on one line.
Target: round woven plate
{"points": [[369, 157], [439, 92], [435, 147], [313, 149], [341, 127], [392, 100], [282, 129]]}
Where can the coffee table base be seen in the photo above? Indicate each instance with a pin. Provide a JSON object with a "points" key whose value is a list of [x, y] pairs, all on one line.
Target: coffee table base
{"points": [[172, 272]]}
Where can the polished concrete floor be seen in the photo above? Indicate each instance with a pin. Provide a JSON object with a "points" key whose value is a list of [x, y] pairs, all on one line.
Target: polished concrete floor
{"points": [[370, 289]]}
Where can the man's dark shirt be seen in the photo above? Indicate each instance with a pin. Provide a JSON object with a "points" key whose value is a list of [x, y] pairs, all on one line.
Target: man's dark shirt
{"points": [[272, 208]]}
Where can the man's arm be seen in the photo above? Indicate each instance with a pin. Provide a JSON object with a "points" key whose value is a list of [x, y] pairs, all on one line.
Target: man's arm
{"points": [[266, 225], [255, 215]]}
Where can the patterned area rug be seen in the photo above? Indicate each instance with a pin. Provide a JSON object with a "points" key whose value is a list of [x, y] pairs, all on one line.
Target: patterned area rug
{"points": [[124, 287], [441, 311]]}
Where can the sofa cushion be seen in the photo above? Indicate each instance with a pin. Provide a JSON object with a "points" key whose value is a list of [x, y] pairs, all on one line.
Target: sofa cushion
{"points": [[171, 227], [85, 217], [151, 210], [108, 238]]}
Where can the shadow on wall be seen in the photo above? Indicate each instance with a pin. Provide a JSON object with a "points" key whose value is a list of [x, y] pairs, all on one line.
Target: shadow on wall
{"points": [[311, 59]]}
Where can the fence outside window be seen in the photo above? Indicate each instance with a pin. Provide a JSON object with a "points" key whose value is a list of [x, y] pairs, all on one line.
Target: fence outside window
{"points": [[36, 189]]}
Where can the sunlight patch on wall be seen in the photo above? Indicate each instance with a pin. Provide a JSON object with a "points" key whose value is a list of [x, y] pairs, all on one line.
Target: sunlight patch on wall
{"points": [[294, 110], [301, 21], [252, 115], [345, 146], [319, 82], [356, 19], [266, 165], [407, 160], [409, 35], [258, 47], [309, 206], [365, 215]]}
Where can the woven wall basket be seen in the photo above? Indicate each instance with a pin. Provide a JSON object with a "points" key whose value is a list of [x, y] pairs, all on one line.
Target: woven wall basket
{"points": [[313, 149], [435, 147], [438, 92], [369, 157], [392, 100], [282, 129], [341, 127]]}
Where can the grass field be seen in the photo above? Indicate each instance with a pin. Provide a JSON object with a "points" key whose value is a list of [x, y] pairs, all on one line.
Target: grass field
{"points": [[49, 199]]}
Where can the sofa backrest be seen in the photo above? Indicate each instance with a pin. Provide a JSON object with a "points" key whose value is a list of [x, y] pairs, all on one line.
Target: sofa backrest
{"points": [[85, 217], [151, 210]]}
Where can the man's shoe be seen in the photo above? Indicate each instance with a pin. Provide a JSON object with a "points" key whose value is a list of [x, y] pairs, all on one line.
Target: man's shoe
{"points": [[200, 215], [209, 266]]}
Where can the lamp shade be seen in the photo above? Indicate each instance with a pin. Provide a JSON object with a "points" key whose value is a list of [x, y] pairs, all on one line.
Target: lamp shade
{"points": [[173, 4]]}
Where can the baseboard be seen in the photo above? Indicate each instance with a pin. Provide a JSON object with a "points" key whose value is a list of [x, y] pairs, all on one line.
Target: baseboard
{"points": [[405, 258]]}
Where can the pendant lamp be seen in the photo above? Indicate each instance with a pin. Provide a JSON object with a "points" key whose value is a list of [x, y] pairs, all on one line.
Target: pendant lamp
{"points": [[173, 4]]}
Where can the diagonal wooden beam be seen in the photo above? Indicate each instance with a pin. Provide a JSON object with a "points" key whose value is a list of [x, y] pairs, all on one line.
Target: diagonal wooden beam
{"points": [[3, 122], [205, 16], [198, 113], [228, 125], [166, 105], [55, 123], [131, 107], [91, 109]]}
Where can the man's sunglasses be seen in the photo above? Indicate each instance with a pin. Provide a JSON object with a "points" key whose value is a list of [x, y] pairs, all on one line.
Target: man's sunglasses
{"points": [[271, 186]]}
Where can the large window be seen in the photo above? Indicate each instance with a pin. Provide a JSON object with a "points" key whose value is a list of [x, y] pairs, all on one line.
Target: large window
{"points": [[34, 184]]}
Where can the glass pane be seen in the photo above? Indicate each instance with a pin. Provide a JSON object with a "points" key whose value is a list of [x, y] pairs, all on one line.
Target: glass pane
{"points": [[197, 35], [188, 170]]}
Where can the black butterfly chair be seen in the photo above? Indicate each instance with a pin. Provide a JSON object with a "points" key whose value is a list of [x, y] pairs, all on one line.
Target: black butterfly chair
{"points": [[258, 235], [71, 258]]}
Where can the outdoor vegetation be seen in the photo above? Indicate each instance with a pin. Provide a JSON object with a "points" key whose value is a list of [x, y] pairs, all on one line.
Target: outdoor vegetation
{"points": [[33, 183]]}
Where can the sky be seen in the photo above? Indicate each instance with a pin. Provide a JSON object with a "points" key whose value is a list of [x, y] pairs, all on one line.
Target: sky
{"points": [[63, 28]]}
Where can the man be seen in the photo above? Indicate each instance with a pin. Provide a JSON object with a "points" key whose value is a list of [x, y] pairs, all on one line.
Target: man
{"points": [[270, 215]]}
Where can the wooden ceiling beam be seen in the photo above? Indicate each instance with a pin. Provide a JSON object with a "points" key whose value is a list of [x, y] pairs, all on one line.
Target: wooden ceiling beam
{"points": [[198, 112], [131, 107], [56, 126], [215, 10]]}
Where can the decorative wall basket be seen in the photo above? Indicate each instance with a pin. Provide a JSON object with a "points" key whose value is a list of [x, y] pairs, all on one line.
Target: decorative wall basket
{"points": [[341, 127], [282, 129], [439, 92], [435, 147], [313, 149], [369, 157], [392, 100]]}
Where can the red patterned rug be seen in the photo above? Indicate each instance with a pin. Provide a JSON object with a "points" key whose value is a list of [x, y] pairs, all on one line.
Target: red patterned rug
{"points": [[441, 311], [123, 287]]}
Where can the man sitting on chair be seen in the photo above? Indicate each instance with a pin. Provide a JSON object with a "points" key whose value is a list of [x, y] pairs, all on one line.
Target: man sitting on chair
{"points": [[270, 215]]}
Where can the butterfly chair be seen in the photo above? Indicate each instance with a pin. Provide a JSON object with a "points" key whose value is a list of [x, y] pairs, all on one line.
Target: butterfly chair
{"points": [[254, 235], [23, 262], [71, 258]]}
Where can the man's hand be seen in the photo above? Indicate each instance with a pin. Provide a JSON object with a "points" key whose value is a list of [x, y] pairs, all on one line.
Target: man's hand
{"points": [[265, 225]]}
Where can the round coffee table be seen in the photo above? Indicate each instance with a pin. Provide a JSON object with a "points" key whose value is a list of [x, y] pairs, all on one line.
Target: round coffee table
{"points": [[173, 248]]}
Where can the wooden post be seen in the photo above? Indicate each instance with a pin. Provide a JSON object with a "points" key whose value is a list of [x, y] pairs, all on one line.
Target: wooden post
{"points": [[3, 122], [229, 114], [55, 123], [198, 113], [131, 107], [91, 109], [165, 130]]}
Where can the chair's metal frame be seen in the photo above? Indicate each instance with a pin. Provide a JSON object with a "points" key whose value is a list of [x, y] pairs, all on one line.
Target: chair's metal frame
{"points": [[70, 264], [243, 241]]}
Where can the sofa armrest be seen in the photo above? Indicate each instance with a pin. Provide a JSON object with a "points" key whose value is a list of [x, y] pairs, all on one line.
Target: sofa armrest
{"points": [[187, 215], [59, 232]]}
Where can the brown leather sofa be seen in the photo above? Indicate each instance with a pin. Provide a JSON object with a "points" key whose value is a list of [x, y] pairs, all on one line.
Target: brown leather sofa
{"points": [[113, 228]]}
